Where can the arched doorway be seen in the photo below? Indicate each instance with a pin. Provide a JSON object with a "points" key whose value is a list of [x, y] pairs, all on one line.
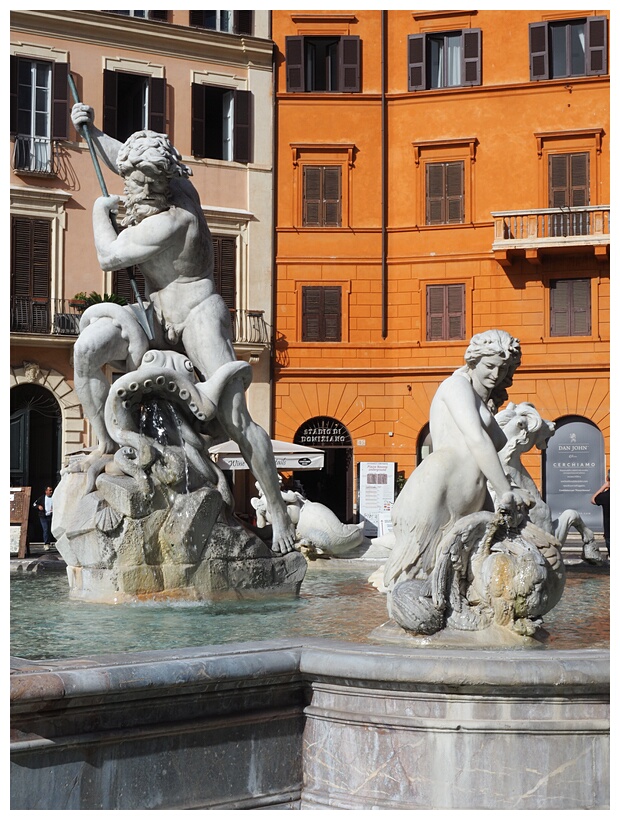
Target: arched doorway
{"points": [[574, 468], [424, 446], [35, 443], [333, 485]]}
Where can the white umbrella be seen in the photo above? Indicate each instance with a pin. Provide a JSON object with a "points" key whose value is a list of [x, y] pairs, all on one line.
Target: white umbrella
{"points": [[288, 456]]}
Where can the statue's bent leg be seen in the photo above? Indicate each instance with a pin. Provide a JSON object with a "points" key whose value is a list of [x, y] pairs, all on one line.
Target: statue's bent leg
{"points": [[256, 449], [98, 344]]}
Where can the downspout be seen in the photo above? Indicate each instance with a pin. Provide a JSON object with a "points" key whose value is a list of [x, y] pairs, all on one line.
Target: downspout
{"points": [[384, 151], [274, 191]]}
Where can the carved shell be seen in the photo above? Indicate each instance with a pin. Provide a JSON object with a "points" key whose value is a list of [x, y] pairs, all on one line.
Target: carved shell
{"points": [[107, 518]]}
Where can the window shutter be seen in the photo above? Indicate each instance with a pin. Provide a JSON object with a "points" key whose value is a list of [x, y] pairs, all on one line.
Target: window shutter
{"points": [[161, 16], [435, 190], [455, 309], [31, 258], [311, 314], [539, 52], [332, 314], [596, 45], [349, 54], [454, 192], [243, 22], [559, 298], [331, 196], [435, 313], [472, 56], [295, 80], [196, 18], [579, 180], [121, 283], [157, 104], [60, 101], [417, 54], [225, 268], [312, 196], [14, 87], [110, 102], [242, 139], [198, 120], [580, 307], [558, 180]]}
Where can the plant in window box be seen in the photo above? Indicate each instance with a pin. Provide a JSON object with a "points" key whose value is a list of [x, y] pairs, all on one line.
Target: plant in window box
{"points": [[79, 301], [95, 298]]}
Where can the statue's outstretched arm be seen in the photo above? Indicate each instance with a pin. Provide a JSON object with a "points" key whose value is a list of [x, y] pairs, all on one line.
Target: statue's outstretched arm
{"points": [[107, 147]]}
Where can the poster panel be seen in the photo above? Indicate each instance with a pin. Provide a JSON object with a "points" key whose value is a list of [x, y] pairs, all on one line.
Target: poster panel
{"points": [[376, 495]]}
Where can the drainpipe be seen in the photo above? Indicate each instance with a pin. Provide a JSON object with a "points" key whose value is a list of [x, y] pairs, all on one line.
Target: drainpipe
{"points": [[384, 277], [274, 191]]}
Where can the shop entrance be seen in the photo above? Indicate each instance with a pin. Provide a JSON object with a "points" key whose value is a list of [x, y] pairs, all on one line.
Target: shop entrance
{"points": [[333, 485]]}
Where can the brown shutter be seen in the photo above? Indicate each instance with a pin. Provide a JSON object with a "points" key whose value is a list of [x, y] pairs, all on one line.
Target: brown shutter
{"points": [[14, 87], [454, 209], [435, 193], [243, 22], [559, 301], [31, 248], [157, 104], [295, 80], [455, 311], [417, 54], [558, 180], [349, 61], [121, 283], [570, 307], [435, 313], [198, 120], [596, 45], [160, 16], [472, 54], [331, 196], [225, 268], [242, 135], [332, 314], [539, 51], [312, 206], [445, 312], [581, 313], [60, 101], [579, 180], [110, 102], [311, 314], [196, 18]]}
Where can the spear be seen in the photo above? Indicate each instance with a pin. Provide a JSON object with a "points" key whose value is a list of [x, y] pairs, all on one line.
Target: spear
{"points": [[140, 312]]}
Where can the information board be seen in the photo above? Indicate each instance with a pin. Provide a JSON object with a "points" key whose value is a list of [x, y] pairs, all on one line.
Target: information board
{"points": [[376, 495], [20, 509]]}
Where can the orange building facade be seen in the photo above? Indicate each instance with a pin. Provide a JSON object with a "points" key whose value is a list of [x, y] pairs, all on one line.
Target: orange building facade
{"points": [[439, 173]]}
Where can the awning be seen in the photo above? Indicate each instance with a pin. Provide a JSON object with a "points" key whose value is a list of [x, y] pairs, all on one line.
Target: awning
{"points": [[288, 456]]}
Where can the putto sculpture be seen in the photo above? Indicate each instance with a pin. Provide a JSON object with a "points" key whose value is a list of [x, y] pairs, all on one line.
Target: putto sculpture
{"points": [[466, 555], [148, 511]]}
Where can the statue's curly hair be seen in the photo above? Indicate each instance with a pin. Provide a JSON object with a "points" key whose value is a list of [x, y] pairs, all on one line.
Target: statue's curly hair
{"points": [[151, 152], [495, 343]]}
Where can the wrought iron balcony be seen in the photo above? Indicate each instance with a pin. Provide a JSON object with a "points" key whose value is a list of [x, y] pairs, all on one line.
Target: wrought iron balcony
{"points": [[34, 154], [551, 230]]}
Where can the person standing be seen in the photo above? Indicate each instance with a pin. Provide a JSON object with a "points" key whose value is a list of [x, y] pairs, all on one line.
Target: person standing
{"points": [[601, 499], [44, 506]]}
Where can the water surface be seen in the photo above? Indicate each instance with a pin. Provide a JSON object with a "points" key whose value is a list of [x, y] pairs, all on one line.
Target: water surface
{"points": [[336, 602]]}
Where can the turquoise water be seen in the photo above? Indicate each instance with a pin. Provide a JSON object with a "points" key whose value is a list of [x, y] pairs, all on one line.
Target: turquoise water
{"points": [[335, 602]]}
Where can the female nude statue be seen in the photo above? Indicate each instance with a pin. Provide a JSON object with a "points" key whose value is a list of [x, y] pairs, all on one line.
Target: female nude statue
{"points": [[452, 481]]}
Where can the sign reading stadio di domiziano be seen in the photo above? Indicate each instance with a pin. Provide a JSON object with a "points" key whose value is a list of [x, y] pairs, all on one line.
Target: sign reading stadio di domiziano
{"points": [[575, 469]]}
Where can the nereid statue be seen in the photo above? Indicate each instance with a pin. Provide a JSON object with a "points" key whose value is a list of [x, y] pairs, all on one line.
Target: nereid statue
{"points": [[467, 553], [148, 502]]}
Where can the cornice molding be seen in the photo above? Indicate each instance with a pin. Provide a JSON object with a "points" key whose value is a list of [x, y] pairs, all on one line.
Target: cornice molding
{"points": [[146, 35]]}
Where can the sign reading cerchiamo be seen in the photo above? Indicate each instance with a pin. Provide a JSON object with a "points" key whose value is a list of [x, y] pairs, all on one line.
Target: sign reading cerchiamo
{"points": [[322, 431]]}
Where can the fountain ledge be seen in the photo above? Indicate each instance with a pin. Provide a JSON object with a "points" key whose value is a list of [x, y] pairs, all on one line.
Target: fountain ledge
{"points": [[316, 724]]}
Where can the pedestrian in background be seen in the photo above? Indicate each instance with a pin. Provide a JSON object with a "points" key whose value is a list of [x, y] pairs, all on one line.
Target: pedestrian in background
{"points": [[44, 506], [601, 499]]}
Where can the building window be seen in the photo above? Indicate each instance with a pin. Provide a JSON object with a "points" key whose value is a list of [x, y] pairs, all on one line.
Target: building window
{"points": [[121, 283], [323, 64], [321, 314], [445, 312], [569, 187], [322, 196], [225, 268], [568, 48], [132, 102], [570, 307], [446, 60], [233, 22], [445, 193], [39, 111], [31, 248], [221, 123], [145, 15]]}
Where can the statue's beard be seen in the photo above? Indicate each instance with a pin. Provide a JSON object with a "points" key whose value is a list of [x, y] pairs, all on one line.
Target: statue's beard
{"points": [[137, 209]]}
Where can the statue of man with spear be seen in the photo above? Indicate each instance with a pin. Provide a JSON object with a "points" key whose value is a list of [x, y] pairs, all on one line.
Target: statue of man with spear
{"points": [[166, 234]]}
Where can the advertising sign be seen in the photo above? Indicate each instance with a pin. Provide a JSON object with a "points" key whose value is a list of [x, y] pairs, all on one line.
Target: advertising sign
{"points": [[376, 493], [574, 470]]}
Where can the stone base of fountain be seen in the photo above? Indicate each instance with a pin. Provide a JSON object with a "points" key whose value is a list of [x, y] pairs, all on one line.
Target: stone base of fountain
{"points": [[122, 546]]}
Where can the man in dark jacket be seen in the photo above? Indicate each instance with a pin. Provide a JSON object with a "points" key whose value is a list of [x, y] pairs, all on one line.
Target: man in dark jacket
{"points": [[44, 506]]}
